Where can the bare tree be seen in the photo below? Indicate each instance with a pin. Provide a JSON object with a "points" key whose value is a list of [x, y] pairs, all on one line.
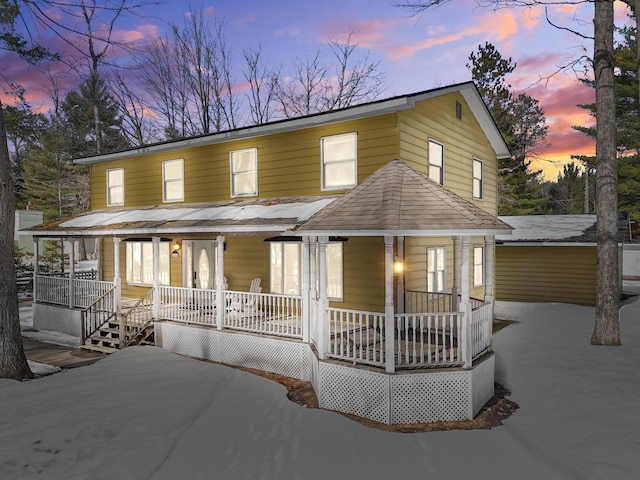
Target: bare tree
{"points": [[262, 83], [318, 87], [606, 329]]}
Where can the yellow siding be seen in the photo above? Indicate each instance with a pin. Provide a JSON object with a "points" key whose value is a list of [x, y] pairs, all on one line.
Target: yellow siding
{"points": [[246, 258], [546, 274], [463, 140], [363, 274], [288, 164], [416, 263]]}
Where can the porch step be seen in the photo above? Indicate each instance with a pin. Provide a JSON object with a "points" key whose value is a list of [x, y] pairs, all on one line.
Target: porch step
{"points": [[98, 348], [100, 339]]}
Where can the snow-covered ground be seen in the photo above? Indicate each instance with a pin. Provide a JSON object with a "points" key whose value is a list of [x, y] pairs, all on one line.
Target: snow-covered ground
{"points": [[144, 413]]}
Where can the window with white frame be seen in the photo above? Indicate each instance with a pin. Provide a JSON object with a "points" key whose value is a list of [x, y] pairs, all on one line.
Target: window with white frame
{"points": [[115, 187], [286, 272], [173, 181], [339, 161], [478, 266], [436, 269], [477, 179], [139, 268], [244, 172], [436, 161]]}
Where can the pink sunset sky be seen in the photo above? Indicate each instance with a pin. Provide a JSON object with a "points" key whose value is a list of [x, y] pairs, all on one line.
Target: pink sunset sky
{"points": [[416, 52]]}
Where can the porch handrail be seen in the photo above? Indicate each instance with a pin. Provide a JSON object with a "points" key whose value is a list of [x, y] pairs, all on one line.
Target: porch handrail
{"points": [[266, 313], [133, 322], [187, 304], [481, 329], [55, 290], [417, 301], [357, 336], [97, 314]]}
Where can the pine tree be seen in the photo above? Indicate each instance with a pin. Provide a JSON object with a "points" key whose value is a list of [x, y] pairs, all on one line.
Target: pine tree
{"points": [[521, 121]]}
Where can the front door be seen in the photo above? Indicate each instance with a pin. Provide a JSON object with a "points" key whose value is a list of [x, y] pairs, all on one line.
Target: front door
{"points": [[199, 265]]}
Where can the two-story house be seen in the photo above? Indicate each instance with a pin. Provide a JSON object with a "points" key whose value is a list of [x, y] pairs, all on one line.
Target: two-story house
{"points": [[353, 249]]}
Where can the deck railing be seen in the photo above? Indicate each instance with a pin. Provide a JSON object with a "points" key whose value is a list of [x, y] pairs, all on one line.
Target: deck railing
{"points": [[189, 305], [357, 336], [481, 329], [434, 302], [428, 339], [57, 289], [97, 313], [270, 314]]}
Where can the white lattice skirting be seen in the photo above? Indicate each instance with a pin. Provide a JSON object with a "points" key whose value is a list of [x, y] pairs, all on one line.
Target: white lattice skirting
{"points": [[402, 397]]}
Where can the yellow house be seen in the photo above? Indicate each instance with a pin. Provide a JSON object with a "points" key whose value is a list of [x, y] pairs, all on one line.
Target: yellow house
{"points": [[352, 248]]}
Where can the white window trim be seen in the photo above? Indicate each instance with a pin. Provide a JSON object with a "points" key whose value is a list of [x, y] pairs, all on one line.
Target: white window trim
{"points": [[444, 276], [232, 189], [109, 202], [355, 162], [473, 178], [164, 181], [128, 266], [431, 140], [481, 265]]}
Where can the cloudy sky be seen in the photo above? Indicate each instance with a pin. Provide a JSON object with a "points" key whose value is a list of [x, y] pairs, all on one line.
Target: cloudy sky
{"points": [[416, 52]]}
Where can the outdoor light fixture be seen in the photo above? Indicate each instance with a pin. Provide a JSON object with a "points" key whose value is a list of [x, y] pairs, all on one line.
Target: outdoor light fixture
{"points": [[398, 266], [175, 250]]}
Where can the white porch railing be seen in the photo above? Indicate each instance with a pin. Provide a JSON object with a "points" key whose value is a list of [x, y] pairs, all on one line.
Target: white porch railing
{"points": [[428, 339], [270, 314], [190, 305], [481, 329], [419, 302], [136, 319], [56, 290], [357, 336]]}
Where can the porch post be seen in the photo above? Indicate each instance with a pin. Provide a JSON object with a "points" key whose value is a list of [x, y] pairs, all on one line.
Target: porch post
{"points": [[465, 305], [156, 277], [306, 281], [324, 328], [36, 268], [72, 271], [488, 268], [457, 268], [117, 282], [220, 302], [314, 320], [389, 330], [400, 275]]}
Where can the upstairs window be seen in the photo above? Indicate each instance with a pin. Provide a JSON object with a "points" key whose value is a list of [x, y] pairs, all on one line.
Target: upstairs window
{"points": [[115, 187], [244, 172], [339, 161], [436, 162], [478, 266], [436, 269], [477, 179], [173, 181]]}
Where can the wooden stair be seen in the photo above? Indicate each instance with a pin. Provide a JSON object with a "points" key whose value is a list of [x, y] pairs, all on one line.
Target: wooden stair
{"points": [[107, 338]]}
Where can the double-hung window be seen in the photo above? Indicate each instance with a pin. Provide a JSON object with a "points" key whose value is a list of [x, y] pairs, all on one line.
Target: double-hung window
{"points": [[286, 275], [477, 179], [436, 161], [436, 269], [139, 269], [478, 266], [115, 187], [173, 181], [339, 161], [244, 172]]}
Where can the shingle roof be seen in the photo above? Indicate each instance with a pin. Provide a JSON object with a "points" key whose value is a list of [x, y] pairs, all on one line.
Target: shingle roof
{"points": [[396, 199]]}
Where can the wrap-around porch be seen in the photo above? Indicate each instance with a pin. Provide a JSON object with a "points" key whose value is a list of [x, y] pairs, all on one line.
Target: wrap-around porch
{"points": [[416, 330]]}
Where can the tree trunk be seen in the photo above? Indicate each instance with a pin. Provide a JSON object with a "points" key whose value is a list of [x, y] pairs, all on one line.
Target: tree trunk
{"points": [[607, 328], [13, 363]]}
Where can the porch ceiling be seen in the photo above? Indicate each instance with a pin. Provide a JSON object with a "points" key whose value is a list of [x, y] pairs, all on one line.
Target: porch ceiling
{"points": [[271, 216], [397, 200]]}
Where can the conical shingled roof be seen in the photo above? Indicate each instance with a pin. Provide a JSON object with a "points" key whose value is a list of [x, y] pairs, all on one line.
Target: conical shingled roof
{"points": [[397, 199]]}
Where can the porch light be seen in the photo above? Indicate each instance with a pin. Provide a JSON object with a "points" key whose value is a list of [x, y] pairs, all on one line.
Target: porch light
{"points": [[175, 250], [398, 266]]}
